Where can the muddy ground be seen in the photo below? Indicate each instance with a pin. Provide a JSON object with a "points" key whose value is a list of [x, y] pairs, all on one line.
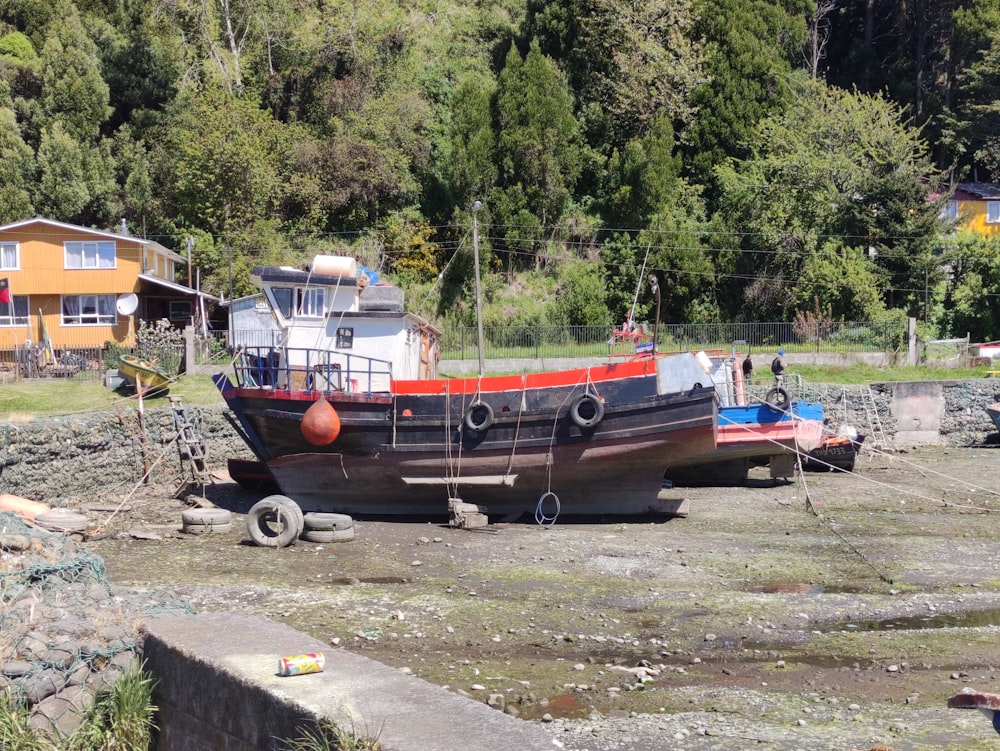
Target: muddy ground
{"points": [[835, 612]]}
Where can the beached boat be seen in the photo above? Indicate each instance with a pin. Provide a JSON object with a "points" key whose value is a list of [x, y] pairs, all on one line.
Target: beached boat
{"points": [[994, 412], [143, 376], [349, 413], [758, 425], [835, 452]]}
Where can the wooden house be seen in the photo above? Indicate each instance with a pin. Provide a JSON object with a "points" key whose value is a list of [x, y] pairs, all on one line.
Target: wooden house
{"points": [[976, 208], [81, 287]]}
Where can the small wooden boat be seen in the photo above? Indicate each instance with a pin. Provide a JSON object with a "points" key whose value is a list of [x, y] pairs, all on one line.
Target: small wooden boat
{"points": [[145, 377], [834, 453]]}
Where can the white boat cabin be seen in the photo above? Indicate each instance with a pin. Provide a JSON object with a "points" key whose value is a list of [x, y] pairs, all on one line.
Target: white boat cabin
{"points": [[339, 331]]}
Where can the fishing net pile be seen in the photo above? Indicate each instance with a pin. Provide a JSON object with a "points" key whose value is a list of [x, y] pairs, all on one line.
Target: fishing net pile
{"points": [[65, 633]]}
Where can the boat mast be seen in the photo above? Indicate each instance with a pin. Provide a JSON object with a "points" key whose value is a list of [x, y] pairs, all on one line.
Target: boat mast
{"points": [[479, 299]]}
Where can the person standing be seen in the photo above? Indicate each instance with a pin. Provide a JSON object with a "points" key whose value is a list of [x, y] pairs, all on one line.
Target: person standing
{"points": [[778, 367], [747, 368]]}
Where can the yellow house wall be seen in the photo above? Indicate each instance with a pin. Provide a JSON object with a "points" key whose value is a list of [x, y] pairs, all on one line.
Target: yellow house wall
{"points": [[43, 277], [973, 218]]}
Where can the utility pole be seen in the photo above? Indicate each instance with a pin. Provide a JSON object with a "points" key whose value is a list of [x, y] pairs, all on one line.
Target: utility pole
{"points": [[479, 297]]}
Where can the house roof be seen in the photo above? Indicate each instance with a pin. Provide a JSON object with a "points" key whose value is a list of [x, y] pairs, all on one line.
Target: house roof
{"points": [[172, 254], [980, 191], [174, 287]]}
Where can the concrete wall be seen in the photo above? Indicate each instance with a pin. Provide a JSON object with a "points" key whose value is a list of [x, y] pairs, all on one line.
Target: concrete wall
{"points": [[217, 689]]}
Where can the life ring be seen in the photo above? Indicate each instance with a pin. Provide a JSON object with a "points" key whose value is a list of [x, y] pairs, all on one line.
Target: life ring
{"points": [[586, 411], [479, 417], [777, 399]]}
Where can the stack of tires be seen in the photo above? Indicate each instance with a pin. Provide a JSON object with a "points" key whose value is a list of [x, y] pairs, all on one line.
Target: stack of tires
{"points": [[206, 521], [321, 527], [277, 521]]}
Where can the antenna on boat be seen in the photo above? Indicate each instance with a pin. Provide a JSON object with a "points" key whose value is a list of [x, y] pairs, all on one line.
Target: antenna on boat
{"points": [[654, 286], [638, 284], [479, 299]]}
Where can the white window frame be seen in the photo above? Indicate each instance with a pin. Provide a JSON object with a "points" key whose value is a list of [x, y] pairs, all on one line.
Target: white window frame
{"points": [[993, 212], [108, 318], [309, 302], [6, 249], [90, 254], [9, 319]]}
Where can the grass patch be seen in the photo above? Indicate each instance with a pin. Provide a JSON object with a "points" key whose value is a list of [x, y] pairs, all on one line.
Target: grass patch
{"points": [[860, 373], [50, 396], [329, 737]]}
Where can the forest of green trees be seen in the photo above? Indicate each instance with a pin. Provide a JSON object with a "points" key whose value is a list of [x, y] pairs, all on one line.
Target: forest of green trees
{"points": [[764, 158]]}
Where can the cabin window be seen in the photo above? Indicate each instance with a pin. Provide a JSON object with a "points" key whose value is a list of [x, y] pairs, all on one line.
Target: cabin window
{"points": [[950, 212], [15, 312], [310, 302], [88, 310], [89, 255], [282, 300], [180, 310], [992, 212], [345, 338], [8, 256]]}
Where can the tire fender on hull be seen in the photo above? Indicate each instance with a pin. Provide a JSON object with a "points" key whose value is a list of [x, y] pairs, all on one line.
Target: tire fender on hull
{"points": [[479, 417], [777, 399], [586, 411]]}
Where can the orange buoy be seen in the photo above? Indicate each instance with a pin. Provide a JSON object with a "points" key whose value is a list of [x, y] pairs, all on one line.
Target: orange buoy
{"points": [[321, 423]]}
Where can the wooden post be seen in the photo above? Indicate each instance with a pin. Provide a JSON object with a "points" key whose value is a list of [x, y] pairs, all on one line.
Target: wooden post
{"points": [[139, 388]]}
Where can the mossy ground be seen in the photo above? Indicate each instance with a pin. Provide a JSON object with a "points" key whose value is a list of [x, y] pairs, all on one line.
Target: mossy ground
{"points": [[752, 595]]}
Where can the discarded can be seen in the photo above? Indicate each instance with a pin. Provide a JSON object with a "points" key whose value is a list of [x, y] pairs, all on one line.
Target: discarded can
{"points": [[301, 664]]}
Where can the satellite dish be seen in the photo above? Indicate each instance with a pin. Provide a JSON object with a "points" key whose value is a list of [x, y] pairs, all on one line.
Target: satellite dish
{"points": [[127, 304]]}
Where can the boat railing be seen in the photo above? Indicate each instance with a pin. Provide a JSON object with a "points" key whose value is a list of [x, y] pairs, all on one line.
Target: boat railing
{"points": [[306, 369]]}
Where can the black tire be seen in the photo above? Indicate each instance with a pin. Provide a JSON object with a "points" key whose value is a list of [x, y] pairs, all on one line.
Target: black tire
{"points": [[319, 521], [328, 535], [479, 417], [206, 516], [777, 399], [586, 411], [274, 524]]}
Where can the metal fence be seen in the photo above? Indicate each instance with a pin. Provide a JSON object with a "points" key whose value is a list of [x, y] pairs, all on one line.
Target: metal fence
{"points": [[34, 361], [460, 343]]}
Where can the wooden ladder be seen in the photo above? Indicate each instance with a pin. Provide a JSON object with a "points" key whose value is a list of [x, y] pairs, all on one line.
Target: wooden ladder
{"points": [[190, 444], [875, 432]]}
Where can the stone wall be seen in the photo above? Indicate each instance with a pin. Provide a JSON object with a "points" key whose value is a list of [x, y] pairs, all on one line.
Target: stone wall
{"points": [[98, 456]]}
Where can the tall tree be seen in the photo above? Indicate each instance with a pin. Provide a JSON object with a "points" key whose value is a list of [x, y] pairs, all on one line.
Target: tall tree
{"points": [[840, 166], [749, 49], [538, 142]]}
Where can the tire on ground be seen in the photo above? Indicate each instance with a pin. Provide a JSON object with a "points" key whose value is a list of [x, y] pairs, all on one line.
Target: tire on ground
{"points": [[63, 521], [206, 516], [273, 524], [291, 505], [207, 529], [328, 535], [321, 521]]}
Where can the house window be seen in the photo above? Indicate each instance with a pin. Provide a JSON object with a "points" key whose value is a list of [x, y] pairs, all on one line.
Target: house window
{"points": [[310, 302], [15, 312], [950, 212], [89, 255], [180, 310], [992, 212], [8, 256], [345, 338], [89, 310]]}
